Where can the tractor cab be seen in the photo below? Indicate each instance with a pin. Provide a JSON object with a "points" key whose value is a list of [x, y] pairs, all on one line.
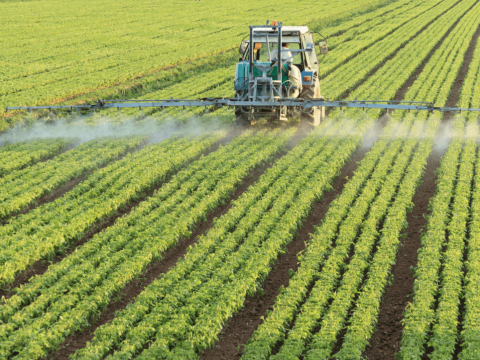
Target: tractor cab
{"points": [[261, 77]]}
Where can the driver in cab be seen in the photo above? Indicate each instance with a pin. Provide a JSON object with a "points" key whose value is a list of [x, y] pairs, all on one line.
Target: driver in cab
{"points": [[286, 57]]}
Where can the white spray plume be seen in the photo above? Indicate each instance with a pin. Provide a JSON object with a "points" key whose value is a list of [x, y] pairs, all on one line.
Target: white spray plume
{"points": [[443, 137], [81, 131], [374, 132]]}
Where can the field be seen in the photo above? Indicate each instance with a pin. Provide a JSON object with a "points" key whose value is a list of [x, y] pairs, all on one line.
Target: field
{"points": [[174, 234]]}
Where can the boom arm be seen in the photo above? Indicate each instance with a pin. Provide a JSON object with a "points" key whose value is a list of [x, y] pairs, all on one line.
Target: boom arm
{"points": [[225, 102]]}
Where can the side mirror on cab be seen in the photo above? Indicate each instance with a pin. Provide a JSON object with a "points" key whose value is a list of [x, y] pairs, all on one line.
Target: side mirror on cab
{"points": [[243, 47], [323, 47]]}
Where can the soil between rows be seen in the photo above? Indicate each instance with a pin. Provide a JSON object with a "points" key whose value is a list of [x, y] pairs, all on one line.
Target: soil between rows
{"points": [[241, 326], [457, 85]]}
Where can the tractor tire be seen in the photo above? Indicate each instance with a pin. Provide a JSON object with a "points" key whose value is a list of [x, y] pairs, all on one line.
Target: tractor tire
{"points": [[241, 119], [318, 113]]}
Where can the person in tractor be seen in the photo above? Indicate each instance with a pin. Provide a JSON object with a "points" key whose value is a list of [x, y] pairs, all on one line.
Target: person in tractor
{"points": [[286, 56]]}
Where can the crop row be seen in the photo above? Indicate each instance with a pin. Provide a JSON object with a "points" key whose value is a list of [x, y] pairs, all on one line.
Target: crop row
{"points": [[470, 93], [351, 23], [65, 54], [470, 341], [54, 226], [216, 90], [421, 313], [8, 148], [218, 243], [198, 85], [360, 38], [334, 319], [396, 71], [365, 313], [97, 26], [438, 76], [336, 84], [448, 221], [434, 84], [180, 115], [214, 83], [21, 188], [243, 272], [230, 260], [371, 171], [185, 91], [445, 333], [346, 29], [272, 332], [71, 292], [18, 156]]}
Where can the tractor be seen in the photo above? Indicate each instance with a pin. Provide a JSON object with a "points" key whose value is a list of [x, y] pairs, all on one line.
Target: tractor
{"points": [[261, 77]]}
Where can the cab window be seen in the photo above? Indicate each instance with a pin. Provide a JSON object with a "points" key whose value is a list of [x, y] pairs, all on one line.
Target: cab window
{"points": [[312, 55], [297, 60]]}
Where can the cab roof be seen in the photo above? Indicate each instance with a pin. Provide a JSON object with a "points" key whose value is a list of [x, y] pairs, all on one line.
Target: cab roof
{"points": [[302, 29]]}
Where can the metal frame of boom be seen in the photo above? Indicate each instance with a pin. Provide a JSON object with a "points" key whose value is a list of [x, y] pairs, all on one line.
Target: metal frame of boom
{"points": [[225, 102]]}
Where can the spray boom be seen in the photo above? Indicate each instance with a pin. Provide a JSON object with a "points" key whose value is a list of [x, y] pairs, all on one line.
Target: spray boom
{"points": [[300, 104]]}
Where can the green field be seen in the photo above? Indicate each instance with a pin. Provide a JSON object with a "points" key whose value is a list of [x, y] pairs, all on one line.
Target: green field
{"points": [[175, 234]]}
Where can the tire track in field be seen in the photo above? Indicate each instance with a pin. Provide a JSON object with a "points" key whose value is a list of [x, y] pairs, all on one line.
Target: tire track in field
{"points": [[385, 342], [170, 258]]}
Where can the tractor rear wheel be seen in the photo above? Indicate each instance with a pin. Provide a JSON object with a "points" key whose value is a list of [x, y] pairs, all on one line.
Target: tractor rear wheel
{"points": [[318, 113], [241, 119]]}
